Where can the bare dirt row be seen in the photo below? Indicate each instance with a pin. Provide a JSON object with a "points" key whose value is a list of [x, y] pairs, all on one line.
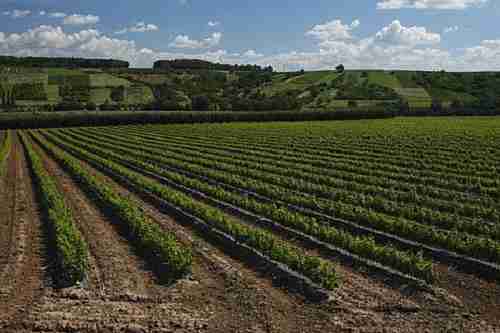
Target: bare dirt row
{"points": [[23, 271]]}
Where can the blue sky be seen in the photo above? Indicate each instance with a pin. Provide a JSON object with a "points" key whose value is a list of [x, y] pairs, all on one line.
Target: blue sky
{"points": [[315, 34]]}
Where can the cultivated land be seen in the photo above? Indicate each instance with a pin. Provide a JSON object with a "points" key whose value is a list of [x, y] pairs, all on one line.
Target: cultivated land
{"points": [[191, 84], [338, 226]]}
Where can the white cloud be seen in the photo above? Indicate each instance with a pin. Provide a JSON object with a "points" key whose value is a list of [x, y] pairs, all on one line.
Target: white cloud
{"points": [[394, 46], [16, 13], [396, 33], [47, 40], [42, 13], [139, 27], [485, 56], [430, 4], [451, 29], [333, 30], [57, 15], [213, 23], [77, 19], [252, 54], [185, 42], [143, 27], [369, 52]]}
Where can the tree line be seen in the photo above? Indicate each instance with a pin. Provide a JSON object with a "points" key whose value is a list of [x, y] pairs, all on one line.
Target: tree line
{"points": [[44, 62], [197, 64]]}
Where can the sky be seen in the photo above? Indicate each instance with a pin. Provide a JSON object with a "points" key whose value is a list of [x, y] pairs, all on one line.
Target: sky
{"points": [[461, 35]]}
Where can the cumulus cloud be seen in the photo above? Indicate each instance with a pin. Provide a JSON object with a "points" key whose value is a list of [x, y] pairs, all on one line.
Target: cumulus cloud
{"points": [[77, 19], [57, 15], [17, 13], [333, 30], [392, 49], [47, 40], [185, 42], [394, 46], [487, 54], [139, 27], [213, 23], [252, 54], [430, 4], [42, 13], [396, 33]]}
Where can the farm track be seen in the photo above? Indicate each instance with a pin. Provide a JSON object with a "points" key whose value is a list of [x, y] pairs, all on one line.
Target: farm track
{"points": [[23, 276], [8, 193], [374, 300]]}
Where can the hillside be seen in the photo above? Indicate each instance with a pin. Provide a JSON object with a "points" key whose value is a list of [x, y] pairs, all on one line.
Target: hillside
{"points": [[68, 89], [200, 85]]}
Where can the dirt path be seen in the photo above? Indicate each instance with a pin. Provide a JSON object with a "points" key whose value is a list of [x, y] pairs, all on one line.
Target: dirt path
{"points": [[22, 279], [8, 183], [361, 304], [478, 296]]}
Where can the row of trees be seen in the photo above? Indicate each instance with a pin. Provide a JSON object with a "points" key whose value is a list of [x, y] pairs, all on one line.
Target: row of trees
{"points": [[197, 64], [46, 62]]}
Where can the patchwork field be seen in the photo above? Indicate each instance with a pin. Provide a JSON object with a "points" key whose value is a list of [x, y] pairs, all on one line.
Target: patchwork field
{"points": [[416, 97], [337, 226], [384, 79], [301, 82]]}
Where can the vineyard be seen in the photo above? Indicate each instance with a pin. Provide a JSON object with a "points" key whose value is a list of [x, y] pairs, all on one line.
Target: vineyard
{"points": [[385, 225]]}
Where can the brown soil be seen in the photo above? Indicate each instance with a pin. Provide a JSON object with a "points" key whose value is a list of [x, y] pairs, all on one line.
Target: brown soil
{"points": [[221, 295], [8, 182], [22, 276]]}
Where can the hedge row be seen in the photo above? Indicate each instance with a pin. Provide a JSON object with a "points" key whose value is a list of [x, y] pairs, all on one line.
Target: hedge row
{"points": [[68, 119]]}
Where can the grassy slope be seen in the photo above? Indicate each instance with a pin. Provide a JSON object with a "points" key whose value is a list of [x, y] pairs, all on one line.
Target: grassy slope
{"points": [[449, 95], [63, 71], [302, 82], [384, 79], [407, 79]]}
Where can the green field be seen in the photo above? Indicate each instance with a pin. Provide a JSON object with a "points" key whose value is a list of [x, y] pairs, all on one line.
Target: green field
{"points": [[311, 212], [374, 184], [340, 103], [384, 79], [407, 79], [449, 95], [416, 97], [243, 90], [281, 84]]}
